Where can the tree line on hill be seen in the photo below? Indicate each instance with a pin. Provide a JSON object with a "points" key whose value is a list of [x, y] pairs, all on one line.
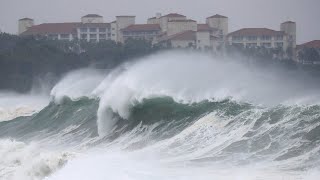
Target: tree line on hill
{"points": [[22, 59]]}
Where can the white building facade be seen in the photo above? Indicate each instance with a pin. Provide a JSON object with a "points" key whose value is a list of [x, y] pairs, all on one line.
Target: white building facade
{"points": [[148, 32], [172, 28], [263, 37], [91, 28], [94, 32]]}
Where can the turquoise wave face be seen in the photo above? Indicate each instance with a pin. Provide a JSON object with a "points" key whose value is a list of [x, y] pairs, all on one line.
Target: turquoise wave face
{"points": [[53, 119], [227, 130]]}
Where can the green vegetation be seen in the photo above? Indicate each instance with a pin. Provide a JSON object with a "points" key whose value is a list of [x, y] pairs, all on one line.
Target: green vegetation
{"points": [[24, 58], [309, 55]]}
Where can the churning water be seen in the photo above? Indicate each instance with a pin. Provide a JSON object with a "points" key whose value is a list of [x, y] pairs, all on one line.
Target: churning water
{"points": [[167, 116]]}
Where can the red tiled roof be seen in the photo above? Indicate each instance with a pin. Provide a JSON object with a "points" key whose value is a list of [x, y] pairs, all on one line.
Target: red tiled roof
{"points": [[183, 20], [217, 16], [186, 35], [173, 15], [203, 27], [25, 19], [311, 44], [92, 15], [54, 28], [143, 27], [256, 32]]}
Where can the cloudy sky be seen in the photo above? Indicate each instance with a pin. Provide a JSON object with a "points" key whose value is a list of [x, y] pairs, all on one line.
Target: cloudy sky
{"points": [[241, 13]]}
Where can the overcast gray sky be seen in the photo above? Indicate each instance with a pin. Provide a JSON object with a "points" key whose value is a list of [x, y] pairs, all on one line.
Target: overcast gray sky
{"points": [[241, 13]]}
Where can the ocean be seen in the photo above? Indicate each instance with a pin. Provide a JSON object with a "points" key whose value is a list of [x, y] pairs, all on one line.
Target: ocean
{"points": [[168, 116]]}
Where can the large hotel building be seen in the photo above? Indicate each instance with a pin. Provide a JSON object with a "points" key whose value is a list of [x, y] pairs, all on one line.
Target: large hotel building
{"points": [[174, 30]]}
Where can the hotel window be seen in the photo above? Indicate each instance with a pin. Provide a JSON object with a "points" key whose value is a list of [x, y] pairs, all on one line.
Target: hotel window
{"points": [[266, 38], [53, 36], [279, 38], [93, 29], [102, 29], [93, 36], [251, 44], [84, 36], [102, 36], [252, 38], [113, 34], [237, 38], [238, 44], [74, 36], [279, 44], [267, 45], [64, 36], [109, 34], [83, 29]]}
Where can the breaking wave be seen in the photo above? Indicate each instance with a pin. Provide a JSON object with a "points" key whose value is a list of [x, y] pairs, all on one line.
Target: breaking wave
{"points": [[169, 116]]}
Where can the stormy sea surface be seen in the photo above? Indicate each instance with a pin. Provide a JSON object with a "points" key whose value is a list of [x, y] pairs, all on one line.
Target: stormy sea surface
{"points": [[170, 116]]}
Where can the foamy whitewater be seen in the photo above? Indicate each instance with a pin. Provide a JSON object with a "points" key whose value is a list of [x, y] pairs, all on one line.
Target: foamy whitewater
{"points": [[170, 116]]}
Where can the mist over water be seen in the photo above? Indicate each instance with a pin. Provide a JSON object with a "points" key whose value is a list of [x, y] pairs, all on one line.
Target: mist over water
{"points": [[13, 105], [172, 115]]}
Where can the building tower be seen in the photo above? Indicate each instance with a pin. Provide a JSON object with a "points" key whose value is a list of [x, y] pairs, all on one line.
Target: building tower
{"points": [[123, 22], [24, 24], [219, 22], [290, 29]]}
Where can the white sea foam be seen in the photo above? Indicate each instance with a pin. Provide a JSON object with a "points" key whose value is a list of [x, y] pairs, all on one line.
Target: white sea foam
{"points": [[28, 161], [171, 159]]}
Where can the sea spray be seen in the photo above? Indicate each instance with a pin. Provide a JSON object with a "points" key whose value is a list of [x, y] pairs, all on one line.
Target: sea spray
{"points": [[28, 161], [77, 84], [192, 77]]}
